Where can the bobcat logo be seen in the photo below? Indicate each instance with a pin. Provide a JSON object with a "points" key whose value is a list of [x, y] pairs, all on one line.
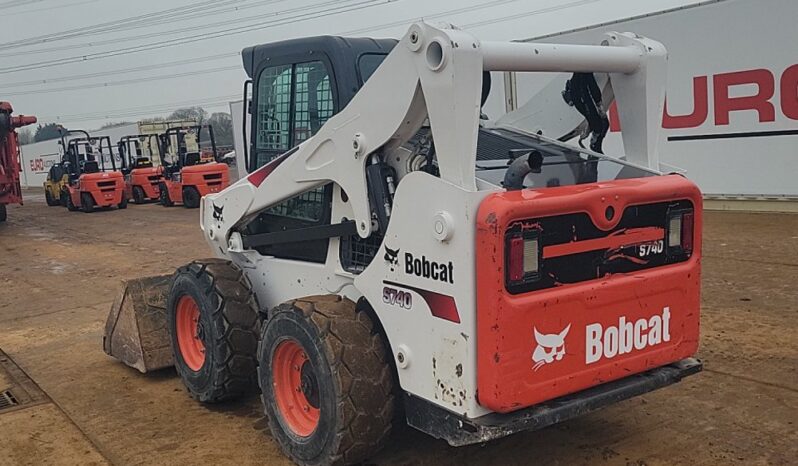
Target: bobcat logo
{"points": [[217, 213], [550, 347], [391, 257]]}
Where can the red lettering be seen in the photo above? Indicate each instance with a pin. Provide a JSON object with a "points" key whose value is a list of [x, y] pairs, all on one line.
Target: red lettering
{"points": [[724, 104], [700, 108], [789, 92]]}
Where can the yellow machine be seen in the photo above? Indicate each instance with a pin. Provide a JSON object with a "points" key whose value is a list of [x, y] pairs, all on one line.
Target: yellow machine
{"points": [[55, 185]]}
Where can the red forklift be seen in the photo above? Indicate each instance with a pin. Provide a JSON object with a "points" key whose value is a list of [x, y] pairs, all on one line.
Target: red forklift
{"points": [[142, 178], [190, 174], [91, 183], [10, 191]]}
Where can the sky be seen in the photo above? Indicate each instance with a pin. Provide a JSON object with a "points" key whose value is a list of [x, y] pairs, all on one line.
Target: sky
{"points": [[85, 63]]}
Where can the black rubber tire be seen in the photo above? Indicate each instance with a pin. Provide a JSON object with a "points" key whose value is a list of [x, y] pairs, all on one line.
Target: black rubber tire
{"points": [[191, 197], [70, 205], [353, 376], [49, 199], [123, 204], [164, 196], [138, 195], [86, 202], [3, 213], [64, 198], [229, 314]]}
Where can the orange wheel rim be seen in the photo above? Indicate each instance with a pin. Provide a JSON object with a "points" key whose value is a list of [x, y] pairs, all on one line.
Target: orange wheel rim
{"points": [[190, 333], [295, 388]]}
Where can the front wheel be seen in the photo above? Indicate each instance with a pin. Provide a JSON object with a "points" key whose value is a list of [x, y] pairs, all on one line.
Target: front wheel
{"points": [[86, 202], [138, 195], [166, 201], [326, 384], [69, 204], [191, 197], [49, 199], [214, 326]]}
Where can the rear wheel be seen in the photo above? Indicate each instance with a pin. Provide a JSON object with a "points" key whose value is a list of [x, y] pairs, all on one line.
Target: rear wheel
{"points": [[164, 196], [214, 326], [3, 213], [191, 197], [326, 384], [49, 199], [138, 195], [123, 204], [70, 205], [64, 198], [86, 202]]}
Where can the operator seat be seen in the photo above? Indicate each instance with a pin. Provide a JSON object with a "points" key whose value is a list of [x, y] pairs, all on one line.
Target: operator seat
{"points": [[90, 166]]}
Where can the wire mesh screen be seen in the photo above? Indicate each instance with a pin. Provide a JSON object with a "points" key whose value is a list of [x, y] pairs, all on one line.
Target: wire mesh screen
{"points": [[357, 253], [313, 100], [274, 110], [306, 206]]}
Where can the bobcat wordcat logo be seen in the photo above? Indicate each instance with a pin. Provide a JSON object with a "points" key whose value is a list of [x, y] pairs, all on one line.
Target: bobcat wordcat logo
{"points": [[551, 347], [605, 342], [611, 341]]}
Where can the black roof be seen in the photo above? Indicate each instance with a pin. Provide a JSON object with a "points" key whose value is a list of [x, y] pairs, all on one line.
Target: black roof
{"points": [[338, 49]]}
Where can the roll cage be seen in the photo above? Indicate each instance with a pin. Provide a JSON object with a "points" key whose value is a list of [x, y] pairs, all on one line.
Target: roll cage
{"points": [[75, 162], [132, 161], [181, 157]]}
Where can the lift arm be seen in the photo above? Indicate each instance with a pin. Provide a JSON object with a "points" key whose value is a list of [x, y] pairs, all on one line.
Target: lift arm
{"points": [[437, 74]]}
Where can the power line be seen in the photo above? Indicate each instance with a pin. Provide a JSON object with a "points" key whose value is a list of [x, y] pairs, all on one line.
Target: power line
{"points": [[65, 5], [441, 14], [177, 11], [175, 31], [198, 37], [16, 3], [161, 107], [125, 81], [77, 77], [528, 13]]}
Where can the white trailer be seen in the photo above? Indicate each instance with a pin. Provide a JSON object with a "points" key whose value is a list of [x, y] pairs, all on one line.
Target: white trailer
{"points": [[731, 118]]}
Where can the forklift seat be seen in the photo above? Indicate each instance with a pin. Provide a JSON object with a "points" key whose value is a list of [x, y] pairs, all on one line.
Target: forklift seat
{"points": [[90, 166], [143, 162], [192, 158]]}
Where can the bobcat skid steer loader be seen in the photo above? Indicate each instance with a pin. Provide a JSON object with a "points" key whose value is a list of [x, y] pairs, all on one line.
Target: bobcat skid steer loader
{"points": [[392, 254]]}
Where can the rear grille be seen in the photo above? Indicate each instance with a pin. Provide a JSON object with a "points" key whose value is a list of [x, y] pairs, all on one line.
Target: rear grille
{"points": [[154, 178], [357, 253], [7, 400], [214, 176], [575, 250], [106, 184]]}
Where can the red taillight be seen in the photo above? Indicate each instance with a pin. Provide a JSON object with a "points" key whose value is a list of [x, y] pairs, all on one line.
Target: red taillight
{"points": [[687, 232], [515, 259]]}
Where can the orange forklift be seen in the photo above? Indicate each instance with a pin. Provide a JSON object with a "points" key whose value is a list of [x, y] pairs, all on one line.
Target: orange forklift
{"points": [[187, 175], [142, 178], [91, 184]]}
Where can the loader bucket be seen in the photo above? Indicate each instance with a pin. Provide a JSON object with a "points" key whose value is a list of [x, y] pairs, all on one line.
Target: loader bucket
{"points": [[136, 331]]}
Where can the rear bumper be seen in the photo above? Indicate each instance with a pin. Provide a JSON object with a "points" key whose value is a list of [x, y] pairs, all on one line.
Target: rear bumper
{"points": [[458, 431]]}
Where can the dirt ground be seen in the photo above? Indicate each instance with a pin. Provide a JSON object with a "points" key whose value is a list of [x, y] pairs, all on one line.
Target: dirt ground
{"points": [[60, 271]]}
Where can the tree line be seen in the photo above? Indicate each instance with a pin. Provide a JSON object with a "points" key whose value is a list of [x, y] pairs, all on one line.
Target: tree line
{"points": [[222, 124]]}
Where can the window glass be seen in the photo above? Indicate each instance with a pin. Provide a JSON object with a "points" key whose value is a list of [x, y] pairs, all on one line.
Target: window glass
{"points": [[313, 102], [313, 106], [273, 112]]}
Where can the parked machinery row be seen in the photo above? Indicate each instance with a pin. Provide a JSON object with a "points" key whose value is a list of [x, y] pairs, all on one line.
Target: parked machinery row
{"points": [[152, 167]]}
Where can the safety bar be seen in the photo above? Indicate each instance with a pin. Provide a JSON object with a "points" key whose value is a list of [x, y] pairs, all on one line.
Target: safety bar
{"points": [[521, 56]]}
